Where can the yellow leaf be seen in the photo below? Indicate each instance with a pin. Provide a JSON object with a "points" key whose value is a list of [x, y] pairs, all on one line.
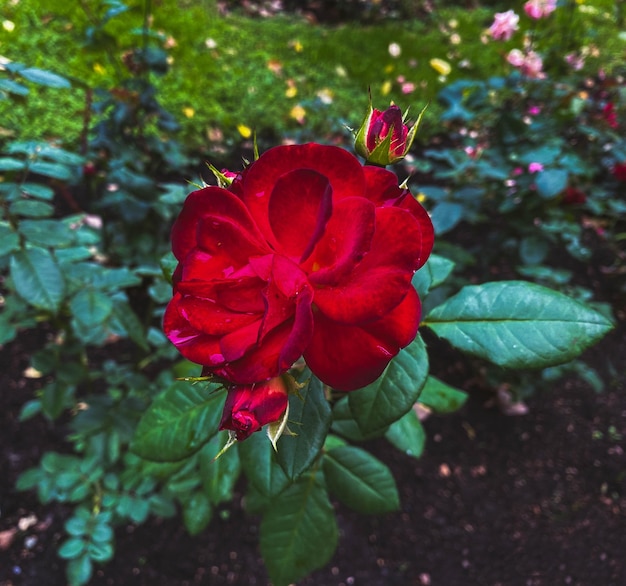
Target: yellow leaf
{"points": [[440, 66], [244, 130]]}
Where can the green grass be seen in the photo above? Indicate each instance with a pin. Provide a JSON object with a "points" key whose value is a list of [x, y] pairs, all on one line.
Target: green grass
{"points": [[233, 84]]}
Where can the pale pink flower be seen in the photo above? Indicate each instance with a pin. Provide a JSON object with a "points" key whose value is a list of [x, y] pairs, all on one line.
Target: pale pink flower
{"points": [[535, 167], [504, 25], [576, 62], [539, 8], [530, 63], [408, 87]]}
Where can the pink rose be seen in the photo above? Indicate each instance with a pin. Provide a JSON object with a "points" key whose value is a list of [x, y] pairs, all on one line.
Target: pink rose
{"points": [[504, 25], [530, 63], [539, 8]]}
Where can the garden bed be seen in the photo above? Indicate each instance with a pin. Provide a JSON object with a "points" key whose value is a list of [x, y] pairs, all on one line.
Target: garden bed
{"points": [[537, 499]]}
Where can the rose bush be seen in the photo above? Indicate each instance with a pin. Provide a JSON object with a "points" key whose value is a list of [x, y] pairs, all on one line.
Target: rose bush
{"points": [[307, 253]]}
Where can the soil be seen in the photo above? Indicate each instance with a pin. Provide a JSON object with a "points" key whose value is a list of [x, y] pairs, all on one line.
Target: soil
{"points": [[497, 500]]}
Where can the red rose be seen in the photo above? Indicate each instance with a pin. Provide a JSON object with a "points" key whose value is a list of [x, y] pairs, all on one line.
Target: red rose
{"points": [[249, 407], [307, 253], [572, 196], [619, 171]]}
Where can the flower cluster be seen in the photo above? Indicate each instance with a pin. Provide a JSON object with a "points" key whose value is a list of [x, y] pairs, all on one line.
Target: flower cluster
{"points": [[505, 24], [306, 253]]}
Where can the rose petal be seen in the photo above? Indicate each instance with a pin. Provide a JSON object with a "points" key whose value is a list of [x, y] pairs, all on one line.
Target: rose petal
{"points": [[343, 170], [380, 281], [210, 201], [222, 236], [379, 181], [427, 232], [193, 344], [270, 357], [351, 357], [210, 318], [299, 207], [347, 238]]}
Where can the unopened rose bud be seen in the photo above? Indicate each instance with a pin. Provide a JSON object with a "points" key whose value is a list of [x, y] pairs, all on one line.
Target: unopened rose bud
{"points": [[384, 138], [249, 407]]}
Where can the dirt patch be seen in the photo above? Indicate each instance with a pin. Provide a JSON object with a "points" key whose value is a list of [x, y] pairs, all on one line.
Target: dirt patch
{"points": [[533, 500]]}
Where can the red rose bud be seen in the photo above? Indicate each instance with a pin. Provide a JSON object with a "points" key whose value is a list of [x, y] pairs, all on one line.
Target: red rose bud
{"points": [[619, 171], [383, 138], [573, 196], [249, 407]]}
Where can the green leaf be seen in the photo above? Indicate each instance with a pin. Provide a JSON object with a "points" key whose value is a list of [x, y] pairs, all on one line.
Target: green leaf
{"points": [[360, 481], [387, 399], [29, 410], [168, 265], [197, 512], [79, 570], [309, 418], [516, 324], [436, 270], [11, 164], [219, 476], [76, 526], [9, 240], [101, 551], [179, 422], [37, 278], [258, 461], [441, 397], [52, 170], [551, 182], [91, 308], [59, 155], [298, 534], [129, 323], [31, 208], [408, 434], [445, 216], [43, 77], [72, 548], [533, 250], [12, 87], [51, 233], [37, 190], [345, 424]]}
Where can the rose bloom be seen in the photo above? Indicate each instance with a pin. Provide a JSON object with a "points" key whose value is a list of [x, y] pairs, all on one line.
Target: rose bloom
{"points": [[610, 115], [307, 253], [539, 8], [619, 171], [573, 196], [504, 25], [529, 63]]}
